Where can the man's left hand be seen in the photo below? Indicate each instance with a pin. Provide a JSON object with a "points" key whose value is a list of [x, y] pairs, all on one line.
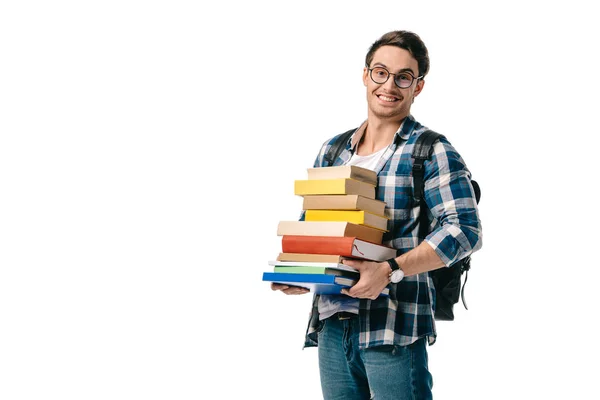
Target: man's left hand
{"points": [[374, 277]]}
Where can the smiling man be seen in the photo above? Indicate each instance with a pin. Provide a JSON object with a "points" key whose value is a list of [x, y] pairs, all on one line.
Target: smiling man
{"points": [[373, 346]]}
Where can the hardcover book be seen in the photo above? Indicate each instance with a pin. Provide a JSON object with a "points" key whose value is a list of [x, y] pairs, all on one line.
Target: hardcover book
{"points": [[333, 186], [316, 283], [356, 217], [294, 266], [306, 257], [329, 228], [342, 246], [317, 270], [344, 171], [343, 202]]}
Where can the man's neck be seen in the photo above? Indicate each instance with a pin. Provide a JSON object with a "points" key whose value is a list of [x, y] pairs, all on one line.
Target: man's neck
{"points": [[379, 134]]}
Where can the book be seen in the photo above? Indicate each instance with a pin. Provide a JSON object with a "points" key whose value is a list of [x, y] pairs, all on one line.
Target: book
{"points": [[295, 266], [342, 246], [356, 217], [344, 171], [333, 186], [343, 202], [317, 283], [316, 270], [329, 228], [306, 257]]}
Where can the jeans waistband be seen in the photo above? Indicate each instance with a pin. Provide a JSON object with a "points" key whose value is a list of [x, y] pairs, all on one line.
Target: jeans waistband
{"points": [[344, 315]]}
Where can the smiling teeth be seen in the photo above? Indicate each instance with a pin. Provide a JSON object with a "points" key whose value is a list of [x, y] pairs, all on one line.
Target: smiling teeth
{"points": [[385, 98]]}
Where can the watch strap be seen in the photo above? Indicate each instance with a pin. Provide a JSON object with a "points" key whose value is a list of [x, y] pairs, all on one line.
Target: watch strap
{"points": [[393, 264]]}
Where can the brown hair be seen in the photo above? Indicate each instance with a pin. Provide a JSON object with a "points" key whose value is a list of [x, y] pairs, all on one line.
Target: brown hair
{"points": [[406, 40]]}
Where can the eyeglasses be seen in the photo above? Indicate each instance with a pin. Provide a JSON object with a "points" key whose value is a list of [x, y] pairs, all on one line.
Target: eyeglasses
{"points": [[403, 80]]}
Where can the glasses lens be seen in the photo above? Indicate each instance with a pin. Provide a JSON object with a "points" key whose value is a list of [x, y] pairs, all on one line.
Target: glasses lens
{"points": [[379, 75], [404, 80]]}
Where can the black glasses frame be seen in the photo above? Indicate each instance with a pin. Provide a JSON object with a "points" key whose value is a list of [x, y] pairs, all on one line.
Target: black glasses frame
{"points": [[388, 77]]}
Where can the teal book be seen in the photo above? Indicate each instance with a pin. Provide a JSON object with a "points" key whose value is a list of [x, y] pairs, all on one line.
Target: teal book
{"points": [[317, 270]]}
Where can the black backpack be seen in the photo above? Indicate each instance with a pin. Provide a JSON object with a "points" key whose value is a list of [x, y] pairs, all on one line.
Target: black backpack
{"points": [[447, 281]]}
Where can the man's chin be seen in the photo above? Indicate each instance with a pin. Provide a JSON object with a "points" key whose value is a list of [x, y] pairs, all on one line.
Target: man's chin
{"points": [[389, 114]]}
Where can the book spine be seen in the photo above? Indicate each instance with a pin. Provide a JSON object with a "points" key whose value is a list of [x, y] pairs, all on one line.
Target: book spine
{"points": [[331, 202], [355, 217], [317, 245], [310, 257]]}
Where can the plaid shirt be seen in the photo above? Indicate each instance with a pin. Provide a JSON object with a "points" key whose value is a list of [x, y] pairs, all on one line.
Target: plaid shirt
{"points": [[407, 314]]}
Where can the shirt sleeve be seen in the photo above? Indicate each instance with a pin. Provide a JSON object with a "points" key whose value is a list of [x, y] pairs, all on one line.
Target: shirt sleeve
{"points": [[451, 199]]}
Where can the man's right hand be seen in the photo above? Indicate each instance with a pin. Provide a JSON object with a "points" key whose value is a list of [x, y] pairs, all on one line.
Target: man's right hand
{"points": [[288, 289]]}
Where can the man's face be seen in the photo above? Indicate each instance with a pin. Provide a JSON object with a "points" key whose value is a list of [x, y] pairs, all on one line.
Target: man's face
{"points": [[386, 100]]}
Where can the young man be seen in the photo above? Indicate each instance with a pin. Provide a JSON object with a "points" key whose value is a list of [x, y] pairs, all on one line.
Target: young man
{"points": [[374, 346]]}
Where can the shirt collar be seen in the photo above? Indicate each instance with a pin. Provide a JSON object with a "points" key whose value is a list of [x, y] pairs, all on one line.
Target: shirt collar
{"points": [[403, 132]]}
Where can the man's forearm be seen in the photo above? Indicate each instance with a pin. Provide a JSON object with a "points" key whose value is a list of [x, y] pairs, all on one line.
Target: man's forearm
{"points": [[422, 258]]}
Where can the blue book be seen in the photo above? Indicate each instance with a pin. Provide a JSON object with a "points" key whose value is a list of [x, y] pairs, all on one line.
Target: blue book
{"points": [[317, 283]]}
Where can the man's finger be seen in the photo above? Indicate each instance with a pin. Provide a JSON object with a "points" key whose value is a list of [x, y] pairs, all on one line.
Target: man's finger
{"points": [[354, 291], [296, 290], [278, 286], [356, 264]]}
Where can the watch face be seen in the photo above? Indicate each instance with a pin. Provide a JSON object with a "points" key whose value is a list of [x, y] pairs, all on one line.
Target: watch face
{"points": [[397, 276]]}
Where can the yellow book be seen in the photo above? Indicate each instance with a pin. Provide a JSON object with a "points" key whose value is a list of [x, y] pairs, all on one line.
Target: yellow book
{"points": [[333, 186], [356, 217]]}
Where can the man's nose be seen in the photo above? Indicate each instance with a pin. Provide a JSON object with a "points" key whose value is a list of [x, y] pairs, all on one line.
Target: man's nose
{"points": [[390, 84]]}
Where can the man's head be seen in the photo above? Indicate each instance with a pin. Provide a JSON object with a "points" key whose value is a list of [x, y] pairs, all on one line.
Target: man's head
{"points": [[395, 67], [406, 40]]}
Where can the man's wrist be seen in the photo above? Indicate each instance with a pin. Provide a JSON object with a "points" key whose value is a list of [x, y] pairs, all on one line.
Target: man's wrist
{"points": [[396, 274]]}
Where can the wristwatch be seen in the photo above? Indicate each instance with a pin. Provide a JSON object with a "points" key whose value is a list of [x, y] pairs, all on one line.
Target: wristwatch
{"points": [[397, 274]]}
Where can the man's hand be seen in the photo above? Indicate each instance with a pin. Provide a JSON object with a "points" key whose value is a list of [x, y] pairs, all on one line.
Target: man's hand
{"points": [[288, 289], [374, 277]]}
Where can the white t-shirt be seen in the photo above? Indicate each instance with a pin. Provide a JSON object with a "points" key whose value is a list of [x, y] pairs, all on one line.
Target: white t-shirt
{"points": [[331, 304]]}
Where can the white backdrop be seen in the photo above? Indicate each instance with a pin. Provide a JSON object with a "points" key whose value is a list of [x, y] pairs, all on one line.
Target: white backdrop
{"points": [[148, 150]]}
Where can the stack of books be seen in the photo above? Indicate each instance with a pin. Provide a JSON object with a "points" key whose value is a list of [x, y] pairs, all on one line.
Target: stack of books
{"points": [[342, 220]]}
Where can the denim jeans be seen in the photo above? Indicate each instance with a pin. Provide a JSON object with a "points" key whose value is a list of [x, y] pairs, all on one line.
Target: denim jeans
{"points": [[381, 373]]}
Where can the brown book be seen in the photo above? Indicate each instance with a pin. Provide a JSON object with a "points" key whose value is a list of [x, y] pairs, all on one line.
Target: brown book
{"points": [[333, 186], [344, 171], [335, 246], [344, 202], [330, 228]]}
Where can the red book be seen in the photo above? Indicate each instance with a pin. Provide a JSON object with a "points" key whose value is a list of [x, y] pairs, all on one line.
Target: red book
{"points": [[336, 245]]}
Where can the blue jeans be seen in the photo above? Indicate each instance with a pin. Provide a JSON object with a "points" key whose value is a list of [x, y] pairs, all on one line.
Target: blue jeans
{"points": [[381, 373]]}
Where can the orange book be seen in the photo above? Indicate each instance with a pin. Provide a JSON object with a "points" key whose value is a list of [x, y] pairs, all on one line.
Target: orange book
{"points": [[342, 246]]}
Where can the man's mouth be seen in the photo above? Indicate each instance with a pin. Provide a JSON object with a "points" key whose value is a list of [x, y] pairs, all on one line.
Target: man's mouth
{"points": [[387, 98]]}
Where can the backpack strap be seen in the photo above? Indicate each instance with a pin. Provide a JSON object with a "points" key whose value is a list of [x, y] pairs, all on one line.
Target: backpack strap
{"points": [[422, 151], [336, 147]]}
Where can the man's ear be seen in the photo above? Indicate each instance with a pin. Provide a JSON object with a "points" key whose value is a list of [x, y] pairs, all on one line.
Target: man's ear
{"points": [[365, 75], [420, 85]]}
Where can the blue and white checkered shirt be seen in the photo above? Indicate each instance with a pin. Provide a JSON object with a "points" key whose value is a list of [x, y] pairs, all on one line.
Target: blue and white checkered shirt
{"points": [[407, 314]]}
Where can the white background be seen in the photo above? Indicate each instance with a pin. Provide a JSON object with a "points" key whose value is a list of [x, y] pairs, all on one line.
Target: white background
{"points": [[148, 150]]}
